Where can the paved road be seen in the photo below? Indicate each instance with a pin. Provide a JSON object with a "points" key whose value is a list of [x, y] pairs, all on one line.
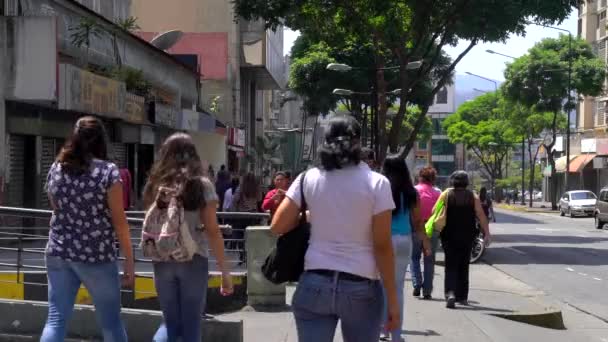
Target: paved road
{"points": [[567, 258]]}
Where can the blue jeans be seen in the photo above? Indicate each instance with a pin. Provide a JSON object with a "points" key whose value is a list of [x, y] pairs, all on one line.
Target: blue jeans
{"points": [[418, 281], [402, 247], [320, 301], [103, 284], [182, 293]]}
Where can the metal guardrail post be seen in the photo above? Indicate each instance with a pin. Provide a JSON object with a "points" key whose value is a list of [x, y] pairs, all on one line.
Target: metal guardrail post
{"points": [[19, 250]]}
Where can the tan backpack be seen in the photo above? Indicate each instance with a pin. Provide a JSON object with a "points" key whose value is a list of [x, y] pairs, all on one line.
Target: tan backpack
{"points": [[165, 234]]}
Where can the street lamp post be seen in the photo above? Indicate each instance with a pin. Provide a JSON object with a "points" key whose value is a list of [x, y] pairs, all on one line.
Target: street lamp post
{"points": [[523, 143], [484, 78], [375, 143]]}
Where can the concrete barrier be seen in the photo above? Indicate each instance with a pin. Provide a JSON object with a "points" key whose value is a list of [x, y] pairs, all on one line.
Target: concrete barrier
{"points": [[32, 286], [29, 317], [261, 292]]}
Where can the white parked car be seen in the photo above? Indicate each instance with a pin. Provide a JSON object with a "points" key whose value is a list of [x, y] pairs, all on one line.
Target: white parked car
{"points": [[575, 203]]}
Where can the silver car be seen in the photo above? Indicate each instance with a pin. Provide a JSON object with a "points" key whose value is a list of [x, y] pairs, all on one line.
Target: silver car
{"points": [[577, 203]]}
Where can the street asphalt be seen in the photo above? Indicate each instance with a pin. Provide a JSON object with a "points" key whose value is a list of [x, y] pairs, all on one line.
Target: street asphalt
{"points": [[567, 258]]}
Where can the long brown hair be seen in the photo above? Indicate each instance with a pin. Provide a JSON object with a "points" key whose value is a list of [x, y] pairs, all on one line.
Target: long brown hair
{"points": [[249, 186], [88, 141], [178, 166]]}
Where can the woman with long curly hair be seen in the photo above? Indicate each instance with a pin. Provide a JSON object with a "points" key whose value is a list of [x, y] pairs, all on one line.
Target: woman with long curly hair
{"points": [[182, 286], [85, 192]]}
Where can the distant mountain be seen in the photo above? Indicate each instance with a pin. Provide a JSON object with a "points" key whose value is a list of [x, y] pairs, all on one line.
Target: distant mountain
{"points": [[465, 85]]}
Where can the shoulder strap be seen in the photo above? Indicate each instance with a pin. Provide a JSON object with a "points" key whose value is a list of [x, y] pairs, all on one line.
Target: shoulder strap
{"points": [[303, 205]]}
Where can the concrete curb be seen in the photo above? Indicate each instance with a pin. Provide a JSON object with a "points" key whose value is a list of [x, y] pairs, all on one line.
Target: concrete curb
{"points": [[27, 318], [526, 209]]}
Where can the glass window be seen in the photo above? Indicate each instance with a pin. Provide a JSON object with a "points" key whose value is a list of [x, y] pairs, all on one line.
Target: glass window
{"points": [[422, 145], [442, 96], [442, 147], [444, 168], [438, 127], [582, 195]]}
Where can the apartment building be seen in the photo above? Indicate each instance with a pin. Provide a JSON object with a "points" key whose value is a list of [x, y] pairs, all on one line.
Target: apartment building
{"points": [[238, 62]]}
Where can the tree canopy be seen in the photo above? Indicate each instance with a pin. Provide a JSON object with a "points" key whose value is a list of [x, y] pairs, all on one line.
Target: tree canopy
{"points": [[483, 127], [544, 79], [407, 31]]}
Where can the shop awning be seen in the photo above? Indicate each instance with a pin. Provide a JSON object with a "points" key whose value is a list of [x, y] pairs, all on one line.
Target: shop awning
{"points": [[560, 163], [578, 164]]}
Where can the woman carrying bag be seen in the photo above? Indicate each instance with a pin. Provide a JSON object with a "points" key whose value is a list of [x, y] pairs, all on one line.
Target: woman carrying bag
{"points": [[350, 242]]}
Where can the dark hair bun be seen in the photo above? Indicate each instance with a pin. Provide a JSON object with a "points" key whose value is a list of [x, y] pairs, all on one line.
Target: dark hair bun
{"points": [[342, 146]]}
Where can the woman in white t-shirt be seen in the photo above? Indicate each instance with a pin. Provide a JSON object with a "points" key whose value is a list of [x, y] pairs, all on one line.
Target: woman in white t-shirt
{"points": [[350, 247]]}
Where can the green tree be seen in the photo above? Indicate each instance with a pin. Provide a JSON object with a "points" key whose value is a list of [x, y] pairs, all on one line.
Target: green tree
{"points": [[83, 32], [540, 80], [407, 30], [535, 129], [482, 126]]}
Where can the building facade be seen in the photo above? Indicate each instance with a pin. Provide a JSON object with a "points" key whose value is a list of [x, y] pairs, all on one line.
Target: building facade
{"points": [[48, 81], [238, 61], [445, 156]]}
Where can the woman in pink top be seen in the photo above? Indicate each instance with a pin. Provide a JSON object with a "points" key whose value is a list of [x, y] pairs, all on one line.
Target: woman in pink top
{"points": [[428, 195]]}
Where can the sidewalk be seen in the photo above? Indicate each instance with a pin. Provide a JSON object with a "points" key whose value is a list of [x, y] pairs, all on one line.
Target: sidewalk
{"points": [[492, 292], [538, 207]]}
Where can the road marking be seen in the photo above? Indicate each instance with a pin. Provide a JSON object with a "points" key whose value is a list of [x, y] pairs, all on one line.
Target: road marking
{"points": [[569, 269], [517, 250], [583, 274], [545, 229], [581, 236], [598, 279]]}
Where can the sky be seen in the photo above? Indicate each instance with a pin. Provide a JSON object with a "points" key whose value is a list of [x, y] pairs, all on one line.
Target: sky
{"points": [[478, 61]]}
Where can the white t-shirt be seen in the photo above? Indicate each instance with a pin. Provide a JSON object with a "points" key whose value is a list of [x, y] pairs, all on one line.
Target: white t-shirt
{"points": [[342, 203], [227, 199]]}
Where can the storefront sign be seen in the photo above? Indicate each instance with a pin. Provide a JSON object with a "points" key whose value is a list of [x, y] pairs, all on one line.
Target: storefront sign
{"points": [[600, 162], [588, 146], [237, 137], [165, 115], [601, 147], [135, 109], [189, 120], [84, 91]]}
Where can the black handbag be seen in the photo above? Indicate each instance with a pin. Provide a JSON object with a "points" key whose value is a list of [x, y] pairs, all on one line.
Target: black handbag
{"points": [[285, 262]]}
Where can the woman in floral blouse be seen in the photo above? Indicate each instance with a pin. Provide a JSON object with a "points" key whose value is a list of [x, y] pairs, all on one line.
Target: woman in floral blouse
{"points": [[85, 193]]}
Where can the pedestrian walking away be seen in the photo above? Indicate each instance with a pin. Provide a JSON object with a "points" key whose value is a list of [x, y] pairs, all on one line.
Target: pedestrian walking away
{"points": [[350, 242], [405, 218], [486, 204], [176, 185], [246, 199], [463, 211], [85, 193], [428, 194]]}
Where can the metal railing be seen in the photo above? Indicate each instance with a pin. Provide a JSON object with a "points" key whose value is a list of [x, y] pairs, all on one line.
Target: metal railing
{"points": [[24, 234]]}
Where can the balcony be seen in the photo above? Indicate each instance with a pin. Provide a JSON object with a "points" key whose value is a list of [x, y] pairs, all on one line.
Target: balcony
{"points": [[262, 52]]}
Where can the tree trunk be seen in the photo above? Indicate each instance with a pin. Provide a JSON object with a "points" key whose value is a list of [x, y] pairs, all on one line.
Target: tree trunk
{"points": [[382, 110], [553, 180], [532, 169]]}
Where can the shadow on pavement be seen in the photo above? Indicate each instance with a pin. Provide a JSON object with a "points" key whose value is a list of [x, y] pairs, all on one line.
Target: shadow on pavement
{"points": [[471, 307], [420, 333], [546, 255], [514, 218], [529, 238]]}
